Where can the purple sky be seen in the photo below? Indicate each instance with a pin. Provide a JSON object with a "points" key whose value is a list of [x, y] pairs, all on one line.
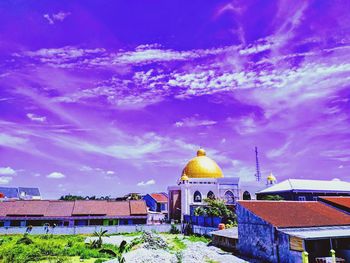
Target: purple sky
{"points": [[110, 97]]}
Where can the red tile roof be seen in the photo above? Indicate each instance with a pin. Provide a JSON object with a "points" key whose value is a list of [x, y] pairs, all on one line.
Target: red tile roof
{"points": [[160, 198], [137, 207], [72, 208], [296, 214], [339, 200]]}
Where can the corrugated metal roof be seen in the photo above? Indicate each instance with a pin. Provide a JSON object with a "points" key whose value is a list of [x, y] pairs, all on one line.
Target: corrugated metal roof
{"points": [[71, 208], [318, 232], [296, 214], [341, 201], [309, 185]]}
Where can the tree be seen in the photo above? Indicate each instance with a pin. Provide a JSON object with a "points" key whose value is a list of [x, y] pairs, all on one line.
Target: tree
{"points": [[273, 198], [214, 207], [97, 243]]}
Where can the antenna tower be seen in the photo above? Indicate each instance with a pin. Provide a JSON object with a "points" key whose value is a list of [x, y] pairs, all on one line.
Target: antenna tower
{"points": [[258, 174]]}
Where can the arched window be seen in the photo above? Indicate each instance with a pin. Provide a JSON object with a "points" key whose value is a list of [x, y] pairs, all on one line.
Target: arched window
{"points": [[229, 197], [210, 195], [197, 197], [246, 196]]}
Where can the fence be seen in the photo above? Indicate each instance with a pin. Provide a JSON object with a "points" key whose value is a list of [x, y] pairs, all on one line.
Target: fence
{"points": [[202, 230], [88, 229]]}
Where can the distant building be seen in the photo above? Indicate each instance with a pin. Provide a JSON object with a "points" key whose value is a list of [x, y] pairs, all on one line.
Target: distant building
{"points": [[24, 193], [72, 213], [201, 178], [306, 190], [279, 231], [157, 204]]}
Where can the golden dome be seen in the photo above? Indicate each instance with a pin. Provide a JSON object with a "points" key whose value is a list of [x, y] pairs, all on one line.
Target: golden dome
{"points": [[271, 178], [184, 177], [202, 167]]}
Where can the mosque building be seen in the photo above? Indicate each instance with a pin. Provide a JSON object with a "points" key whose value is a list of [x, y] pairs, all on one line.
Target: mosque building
{"points": [[201, 178]]}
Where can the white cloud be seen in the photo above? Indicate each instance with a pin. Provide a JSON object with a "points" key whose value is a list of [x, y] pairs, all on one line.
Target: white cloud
{"points": [[110, 172], [7, 171], [56, 175], [35, 117], [5, 179], [149, 182], [11, 141], [60, 16], [194, 122]]}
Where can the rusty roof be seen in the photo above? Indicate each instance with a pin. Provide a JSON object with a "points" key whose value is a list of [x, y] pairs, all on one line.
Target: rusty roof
{"points": [[296, 214], [341, 201], [53, 208]]}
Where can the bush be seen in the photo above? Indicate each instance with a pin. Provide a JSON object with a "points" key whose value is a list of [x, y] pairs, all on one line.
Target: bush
{"points": [[174, 230]]}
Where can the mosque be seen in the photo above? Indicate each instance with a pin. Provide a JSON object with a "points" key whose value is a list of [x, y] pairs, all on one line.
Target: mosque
{"points": [[203, 178]]}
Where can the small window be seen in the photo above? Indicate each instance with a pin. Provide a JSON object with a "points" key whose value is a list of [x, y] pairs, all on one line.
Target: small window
{"points": [[229, 197], [302, 198], [210, 195], [246, 196], [315, 198], [197, 197]]}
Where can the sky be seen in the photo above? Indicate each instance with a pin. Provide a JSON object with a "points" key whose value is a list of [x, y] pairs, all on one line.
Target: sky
{"points": [[111, 97]]}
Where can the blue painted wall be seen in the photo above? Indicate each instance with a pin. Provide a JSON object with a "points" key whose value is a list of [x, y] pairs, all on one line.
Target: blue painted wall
{"points": [[151, 203]]}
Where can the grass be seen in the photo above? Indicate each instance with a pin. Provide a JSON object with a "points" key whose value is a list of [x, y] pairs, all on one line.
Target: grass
{"points": [[194, 238], [49, 248], [72, 248]]}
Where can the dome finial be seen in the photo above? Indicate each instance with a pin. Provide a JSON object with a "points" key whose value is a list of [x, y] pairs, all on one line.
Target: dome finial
{"points": [[201, 152]]}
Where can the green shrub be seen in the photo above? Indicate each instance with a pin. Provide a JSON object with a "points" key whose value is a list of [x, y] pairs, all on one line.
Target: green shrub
{"points": [[174, 230]]}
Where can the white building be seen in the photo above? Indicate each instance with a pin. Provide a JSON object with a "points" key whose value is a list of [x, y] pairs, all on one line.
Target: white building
{"points": [[201, 178]]}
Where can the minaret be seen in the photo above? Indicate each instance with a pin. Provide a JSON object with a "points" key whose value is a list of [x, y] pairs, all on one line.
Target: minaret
{"points": [[258, 174]]}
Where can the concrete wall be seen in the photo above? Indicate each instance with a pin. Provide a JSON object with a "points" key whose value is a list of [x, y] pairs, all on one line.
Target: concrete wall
{"points": [[255, 236], [285, 254], [88, 229], [203, 231]]}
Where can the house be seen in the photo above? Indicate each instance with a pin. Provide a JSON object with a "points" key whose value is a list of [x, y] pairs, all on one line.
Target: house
{"points": [[306, 190], [16, 193], [72, 213], [157, 204], [279, 231]]}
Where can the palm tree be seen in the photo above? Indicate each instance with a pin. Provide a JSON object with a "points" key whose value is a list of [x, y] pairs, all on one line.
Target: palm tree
{"points": [[97, 243]]}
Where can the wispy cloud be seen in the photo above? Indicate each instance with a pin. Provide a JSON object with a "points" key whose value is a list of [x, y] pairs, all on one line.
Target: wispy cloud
{"points": [[56, 175], [147, 183], [5, 179], [57, 17], [7, 171], [36, 118]]}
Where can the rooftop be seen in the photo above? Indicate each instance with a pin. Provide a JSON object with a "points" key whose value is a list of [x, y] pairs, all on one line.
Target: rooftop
{"points": [[296, 214], [340, 201], [309, 185], [318, 232], [53, 208], [160, 197]]}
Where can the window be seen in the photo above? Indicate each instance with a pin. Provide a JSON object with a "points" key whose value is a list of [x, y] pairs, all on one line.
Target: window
{"points": [[315, 198], [229, 197], [246, 196], [197, 197], [302, 198], [210, 195]]}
